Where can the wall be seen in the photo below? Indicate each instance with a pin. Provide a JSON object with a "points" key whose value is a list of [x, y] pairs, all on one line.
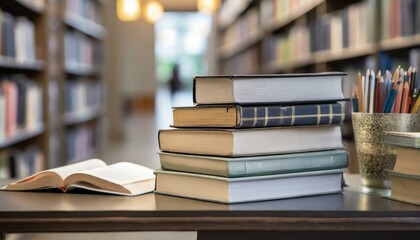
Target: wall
{"points": [[129, 58]]}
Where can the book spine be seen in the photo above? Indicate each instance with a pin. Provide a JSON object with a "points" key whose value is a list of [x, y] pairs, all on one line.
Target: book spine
{"points": [[289, 163], [299, 115]]}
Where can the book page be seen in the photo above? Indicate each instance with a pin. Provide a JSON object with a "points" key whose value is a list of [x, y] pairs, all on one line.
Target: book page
{"points": [[65, 171], [121, 173]]}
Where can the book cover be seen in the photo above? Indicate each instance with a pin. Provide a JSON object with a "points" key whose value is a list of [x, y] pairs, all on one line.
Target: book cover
{"points": [[248, 189], [268, 88], [250, 141], [254, 166], [237, 116]]}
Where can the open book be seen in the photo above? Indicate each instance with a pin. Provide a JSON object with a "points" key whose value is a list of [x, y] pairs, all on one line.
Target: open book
{"points": [[122, 178]]}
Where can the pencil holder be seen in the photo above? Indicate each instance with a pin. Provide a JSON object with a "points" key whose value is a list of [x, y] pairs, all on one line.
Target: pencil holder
{"points": [[373, 154]]}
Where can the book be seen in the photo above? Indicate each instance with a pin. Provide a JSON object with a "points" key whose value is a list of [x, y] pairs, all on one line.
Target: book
{"points": [[251, 141], [403, 139], [248, 189], [405, 187], [253, 166], [408, 160], [269, 88], [237, 116], [122, 178]]}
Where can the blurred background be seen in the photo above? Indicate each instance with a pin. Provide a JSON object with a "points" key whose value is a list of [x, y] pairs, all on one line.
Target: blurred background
{"points": [[98, 78]]}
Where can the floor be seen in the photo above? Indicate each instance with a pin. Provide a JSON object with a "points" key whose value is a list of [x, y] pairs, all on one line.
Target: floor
{"points": [[140, 146]]}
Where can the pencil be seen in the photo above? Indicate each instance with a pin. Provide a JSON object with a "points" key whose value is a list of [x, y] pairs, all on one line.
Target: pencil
{"points": [[381, 94], [406, 95], [366, 92], [393, 94], [397, 102], [360, 92], [372, 85], [416, 106], [414, 100]]}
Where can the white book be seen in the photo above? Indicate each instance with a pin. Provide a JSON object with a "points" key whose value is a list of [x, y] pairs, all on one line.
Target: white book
{"points": [[248, 189], [250, 142], [122, 178]]}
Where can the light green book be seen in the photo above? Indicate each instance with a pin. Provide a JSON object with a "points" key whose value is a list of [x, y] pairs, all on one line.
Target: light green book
{"points": [[254, 166], [248, 189]]}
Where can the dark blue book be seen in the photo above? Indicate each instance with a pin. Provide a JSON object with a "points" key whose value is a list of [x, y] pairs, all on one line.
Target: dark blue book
{"points": [[237, 116]]}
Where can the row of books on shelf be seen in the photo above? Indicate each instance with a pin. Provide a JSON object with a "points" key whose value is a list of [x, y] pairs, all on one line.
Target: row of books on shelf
{"points": [[274, 12], [81, 142], [405, 176], [20, 162], [82, 97], [245, 62], [230, 11], [88, 9], [17, 38], [350, 27], [399, 18], [81, 50], [20, 106], [256, 137], [243, 31]]}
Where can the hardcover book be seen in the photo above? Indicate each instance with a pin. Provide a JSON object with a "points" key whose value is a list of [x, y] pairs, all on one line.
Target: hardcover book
{"points": [[237, 116], [251, 141], [248, 189], [408, 160], [270, 88], [122, 178], [403, 139], [254, 166], [405, 187]]}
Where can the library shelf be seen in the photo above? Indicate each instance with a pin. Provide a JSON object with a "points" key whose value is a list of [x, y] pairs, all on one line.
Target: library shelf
{"points": [[22, 136], [82, 70], [399, 43], [77, 118], [84, 25], [238, 49], [345, 53], [322, 57], [293, 15], [91, 154], [8, 63], [240, 12]]}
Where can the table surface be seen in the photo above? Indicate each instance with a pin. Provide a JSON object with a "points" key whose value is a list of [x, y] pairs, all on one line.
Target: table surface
{"points": [[347, 211]]}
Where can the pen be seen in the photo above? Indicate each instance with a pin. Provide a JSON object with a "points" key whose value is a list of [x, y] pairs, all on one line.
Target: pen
{"points": [[360, 92]]}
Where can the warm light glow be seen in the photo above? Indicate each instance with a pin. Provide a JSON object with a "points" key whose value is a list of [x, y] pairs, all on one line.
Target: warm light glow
{"points": [[128, 10], [154, 11], [208, 6]]}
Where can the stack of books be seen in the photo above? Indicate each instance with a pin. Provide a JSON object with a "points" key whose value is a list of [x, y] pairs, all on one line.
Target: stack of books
{"points": [[256, 137], [405, 177]]}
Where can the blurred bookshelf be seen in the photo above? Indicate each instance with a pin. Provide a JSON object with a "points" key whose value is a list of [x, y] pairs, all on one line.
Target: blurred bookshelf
{"points": [[313, 35], [294, 36], [83, 78], [47, 92]]}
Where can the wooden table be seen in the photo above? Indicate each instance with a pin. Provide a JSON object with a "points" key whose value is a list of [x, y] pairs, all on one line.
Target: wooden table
{"points": [[350, 215]]}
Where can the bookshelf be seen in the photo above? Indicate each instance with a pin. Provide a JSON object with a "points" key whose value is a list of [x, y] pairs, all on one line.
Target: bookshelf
{"points": [[83, 80], [36, 75], [284, 32], [23, 68]]}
